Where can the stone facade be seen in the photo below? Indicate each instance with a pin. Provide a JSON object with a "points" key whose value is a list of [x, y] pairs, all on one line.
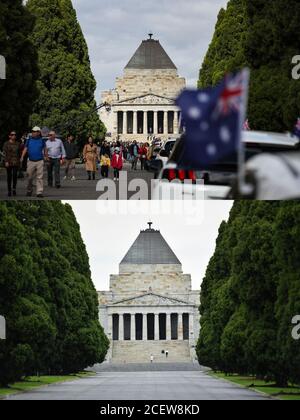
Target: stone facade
{"points": [[142, 102], [150, 309]]}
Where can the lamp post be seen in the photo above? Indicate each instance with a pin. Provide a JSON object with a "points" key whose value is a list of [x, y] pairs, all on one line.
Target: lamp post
{"points": [[68, 125]]}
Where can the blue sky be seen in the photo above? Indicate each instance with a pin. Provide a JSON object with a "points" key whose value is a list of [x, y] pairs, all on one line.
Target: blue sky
{"points": [[114, 29]]}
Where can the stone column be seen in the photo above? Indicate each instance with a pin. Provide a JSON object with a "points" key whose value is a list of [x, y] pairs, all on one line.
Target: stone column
{"points": [[176, 123], [132, 327], [156, 327], [124, 122], [145, 335], [110, 326], [169, 327], [145, 123], [166, 122], [191, 327], [115, 124], [135, 122], [179, 122], [180, 327], [155, 124], [121, 327]]}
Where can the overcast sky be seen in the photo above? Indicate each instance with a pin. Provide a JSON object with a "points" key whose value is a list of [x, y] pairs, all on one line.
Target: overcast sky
{"points": [[108, 237], [114, 29]]}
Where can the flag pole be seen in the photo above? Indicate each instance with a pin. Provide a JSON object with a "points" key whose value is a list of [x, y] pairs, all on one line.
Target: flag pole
{"points": [[244, 188]]}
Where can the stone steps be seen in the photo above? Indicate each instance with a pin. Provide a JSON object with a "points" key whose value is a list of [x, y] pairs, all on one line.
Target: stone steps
{"points": [[141, 351]]}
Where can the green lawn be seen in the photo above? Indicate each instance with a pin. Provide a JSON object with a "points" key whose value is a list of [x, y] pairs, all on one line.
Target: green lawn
{"points": [[290, 393], [33, 382]]}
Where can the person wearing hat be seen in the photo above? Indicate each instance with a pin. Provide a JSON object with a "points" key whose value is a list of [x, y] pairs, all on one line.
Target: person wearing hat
{"points": [[37, 153]]}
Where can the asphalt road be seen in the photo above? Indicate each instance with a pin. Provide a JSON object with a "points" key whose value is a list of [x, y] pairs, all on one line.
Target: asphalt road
{"points": [[140, 384], [81, 189]]}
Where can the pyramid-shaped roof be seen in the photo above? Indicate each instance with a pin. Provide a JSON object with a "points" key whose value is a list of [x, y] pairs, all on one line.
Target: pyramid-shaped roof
{"points": [[150, 55], [150, 248]]}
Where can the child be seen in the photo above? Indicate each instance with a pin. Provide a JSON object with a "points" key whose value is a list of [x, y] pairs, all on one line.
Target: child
{"points": [[117, 163], [105, 165]]}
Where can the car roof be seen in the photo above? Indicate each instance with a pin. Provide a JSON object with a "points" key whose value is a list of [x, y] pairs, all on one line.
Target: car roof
{"points": [[272, 139], [170, 140]]}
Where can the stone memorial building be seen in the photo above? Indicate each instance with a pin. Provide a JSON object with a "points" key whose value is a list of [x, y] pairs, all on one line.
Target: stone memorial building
{"points": [[150, 308], [142, 103]]}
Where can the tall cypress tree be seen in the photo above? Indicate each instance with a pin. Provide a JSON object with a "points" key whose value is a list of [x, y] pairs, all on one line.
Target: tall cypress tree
{"points": [[247, 308], [272, 41], [264, 36], [46, 293], [227, 48], [287, 253], [66, 84], [18, 91]]}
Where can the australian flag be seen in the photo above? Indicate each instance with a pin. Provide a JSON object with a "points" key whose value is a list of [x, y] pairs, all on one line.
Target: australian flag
{"points": [[213, 120]]}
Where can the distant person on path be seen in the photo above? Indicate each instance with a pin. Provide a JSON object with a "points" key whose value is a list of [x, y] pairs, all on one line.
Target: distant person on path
{"points": [[167, 354], [12, 155], [134, 152], [117, 163], [36, 148], [56, 156], [105, 165], [72, 152], [105, 149], [151, 358], [23, 167], [143, 155], [91, 155]]}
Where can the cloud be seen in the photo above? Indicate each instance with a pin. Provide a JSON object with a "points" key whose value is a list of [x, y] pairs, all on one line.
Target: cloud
{"points": [[114, 29], [108, 236]]}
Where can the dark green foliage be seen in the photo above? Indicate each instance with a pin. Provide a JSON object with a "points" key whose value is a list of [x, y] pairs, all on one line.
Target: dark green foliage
{"points": [[227, 49], [18, 91], [66, 84], [46, 293], [264, 36], [251, 292]]}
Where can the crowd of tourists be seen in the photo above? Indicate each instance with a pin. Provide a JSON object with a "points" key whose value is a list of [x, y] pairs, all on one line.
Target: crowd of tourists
{"points": [[32, 152]]}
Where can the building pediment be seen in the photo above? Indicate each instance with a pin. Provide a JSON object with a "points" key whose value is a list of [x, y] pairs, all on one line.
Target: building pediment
{"points": [[150, 99], [151, 299]]}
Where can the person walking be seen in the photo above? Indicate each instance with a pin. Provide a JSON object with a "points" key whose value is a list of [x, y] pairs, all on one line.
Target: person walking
{"points": [[35, 147], [143, 155], [117, 163], [23, 167], [12, 156], [105, 149], [151, 358], [56, 155], [105, 165], [72, 151], [90, 155], [134, 152]]}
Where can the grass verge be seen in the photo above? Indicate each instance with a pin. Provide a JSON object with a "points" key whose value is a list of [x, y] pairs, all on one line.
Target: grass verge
{"points": [[292, 393], [34, 382]]}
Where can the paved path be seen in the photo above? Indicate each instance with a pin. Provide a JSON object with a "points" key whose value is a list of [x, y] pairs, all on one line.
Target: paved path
{"points": [[139, 385], [81, 189]]}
